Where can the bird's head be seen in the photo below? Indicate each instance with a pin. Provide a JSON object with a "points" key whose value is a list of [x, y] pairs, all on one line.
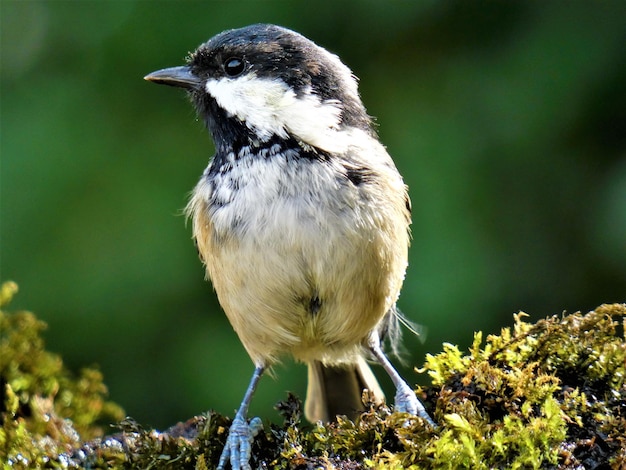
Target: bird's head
{"points": [[263, 81]]}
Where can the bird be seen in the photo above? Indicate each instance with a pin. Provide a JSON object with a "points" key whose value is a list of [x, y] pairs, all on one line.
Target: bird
{"points": [[301, 219]]}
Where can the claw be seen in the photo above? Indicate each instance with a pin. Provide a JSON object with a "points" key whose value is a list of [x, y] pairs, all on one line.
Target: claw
{"points": [[238, 448], [407, 402]]}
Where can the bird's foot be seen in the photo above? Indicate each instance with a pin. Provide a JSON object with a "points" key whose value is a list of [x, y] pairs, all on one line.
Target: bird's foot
{"points": [[238, 448], [407, 402]]}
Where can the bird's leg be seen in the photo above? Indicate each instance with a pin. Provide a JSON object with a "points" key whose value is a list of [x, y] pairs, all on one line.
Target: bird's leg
{"points": [[405, 399], [238, 448]]}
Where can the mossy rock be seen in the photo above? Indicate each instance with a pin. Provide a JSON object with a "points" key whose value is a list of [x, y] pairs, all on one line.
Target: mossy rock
{"points": [[549, 394]]}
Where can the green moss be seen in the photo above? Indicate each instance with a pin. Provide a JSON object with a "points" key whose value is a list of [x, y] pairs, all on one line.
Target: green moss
{"points": [[46, 413], [549, 394]]}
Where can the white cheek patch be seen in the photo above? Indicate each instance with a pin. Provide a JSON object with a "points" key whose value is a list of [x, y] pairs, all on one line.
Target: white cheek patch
{"points": [[269, 107]]}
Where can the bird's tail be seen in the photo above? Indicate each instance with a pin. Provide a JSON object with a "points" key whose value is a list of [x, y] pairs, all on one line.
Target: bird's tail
{"points": [[337, 390]]}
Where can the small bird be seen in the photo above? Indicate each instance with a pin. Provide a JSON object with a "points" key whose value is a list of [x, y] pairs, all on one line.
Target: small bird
{"points": [[301, 218]]}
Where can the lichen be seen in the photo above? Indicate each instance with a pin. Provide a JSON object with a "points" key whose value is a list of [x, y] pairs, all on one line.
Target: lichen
{"points": [[549, 394]]}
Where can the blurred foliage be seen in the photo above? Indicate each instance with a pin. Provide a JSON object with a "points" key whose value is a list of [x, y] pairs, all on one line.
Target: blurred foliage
{"points": [[507, 120]]}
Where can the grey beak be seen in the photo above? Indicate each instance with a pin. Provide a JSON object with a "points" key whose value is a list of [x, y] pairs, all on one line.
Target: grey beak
{"points": [[181, 77]]}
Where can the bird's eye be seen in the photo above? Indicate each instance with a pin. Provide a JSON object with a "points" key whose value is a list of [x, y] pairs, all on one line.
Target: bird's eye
{"points": [[234, 66]]}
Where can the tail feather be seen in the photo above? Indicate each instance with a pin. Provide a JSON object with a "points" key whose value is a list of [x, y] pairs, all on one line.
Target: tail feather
{"points": [[337, 390]]}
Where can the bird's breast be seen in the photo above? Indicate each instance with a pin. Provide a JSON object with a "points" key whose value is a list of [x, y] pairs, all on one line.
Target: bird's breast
{"points": [[297, 254]]}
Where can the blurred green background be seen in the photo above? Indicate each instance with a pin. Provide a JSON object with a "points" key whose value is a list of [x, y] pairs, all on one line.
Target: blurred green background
{"points": [[507, 120]]}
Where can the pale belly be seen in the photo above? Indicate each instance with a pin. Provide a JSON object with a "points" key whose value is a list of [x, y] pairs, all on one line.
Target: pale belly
{"points": [[308, 276]]}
